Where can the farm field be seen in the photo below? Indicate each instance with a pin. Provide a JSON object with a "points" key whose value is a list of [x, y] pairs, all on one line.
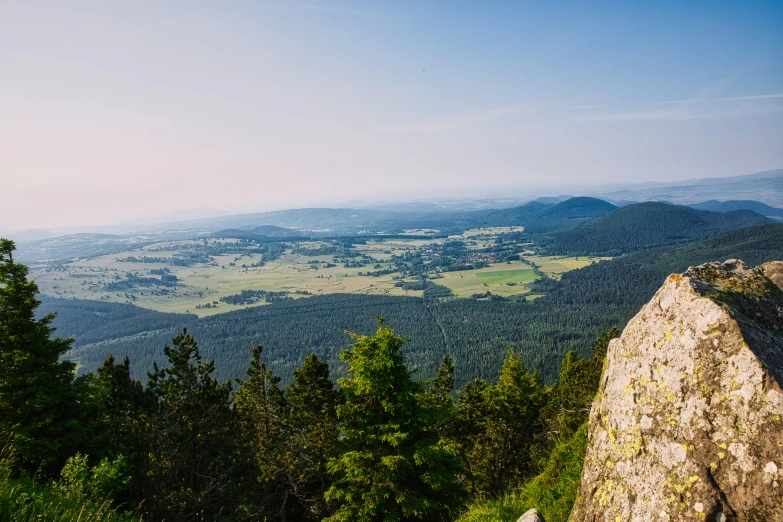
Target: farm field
{"points": [[222, 281], [555, 266], [509, 279], [506, 276], [205, 285], [493, 279]]}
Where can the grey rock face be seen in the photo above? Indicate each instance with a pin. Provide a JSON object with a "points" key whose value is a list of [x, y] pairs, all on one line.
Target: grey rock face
{"points": [[688, 420], [531, 515], [774, 271]]}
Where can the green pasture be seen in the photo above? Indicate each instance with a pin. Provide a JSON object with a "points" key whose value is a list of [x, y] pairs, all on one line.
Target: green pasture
{"points": [[497, 277]]}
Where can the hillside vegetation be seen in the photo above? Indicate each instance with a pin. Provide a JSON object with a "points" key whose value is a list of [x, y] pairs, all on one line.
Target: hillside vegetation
{"points": [[746, 204], [543, 217], [476, 333], [647, 225], [185, 446], [420, 422]]}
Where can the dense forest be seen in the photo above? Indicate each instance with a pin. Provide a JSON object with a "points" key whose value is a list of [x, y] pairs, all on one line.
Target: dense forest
{"points": [[382, 445], [727, 206], [476, 333], [431, 403], [646, 225], [540, 217]]}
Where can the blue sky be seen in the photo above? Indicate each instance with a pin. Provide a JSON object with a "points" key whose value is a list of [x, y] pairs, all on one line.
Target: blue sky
{"points": [[120, 110]]}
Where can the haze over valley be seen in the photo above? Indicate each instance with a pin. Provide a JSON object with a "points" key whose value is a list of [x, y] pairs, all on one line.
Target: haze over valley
{"points": [[342, 261]]}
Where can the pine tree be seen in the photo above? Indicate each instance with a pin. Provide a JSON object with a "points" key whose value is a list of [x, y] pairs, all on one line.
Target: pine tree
{"points": [[122, 403], [195, 468], [437, 399], [392, 467], [573, 395], [470, 422], [37, 396], [503, 421], [311, 435], [515, 404], [123, 399], [260, 404]]}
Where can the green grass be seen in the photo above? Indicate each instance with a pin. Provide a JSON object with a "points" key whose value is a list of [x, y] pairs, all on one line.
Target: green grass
{"points": [[23, 500], [553, 492], [507, 276]]}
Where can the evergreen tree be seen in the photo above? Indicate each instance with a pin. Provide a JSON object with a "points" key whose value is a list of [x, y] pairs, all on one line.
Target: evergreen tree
{"points": [[437, 398], [122, 404], [516, 402], [571, 398], [503, 448], [195, 467], [311, 435], [392, 468], [470, 421], [37, 396], [260, 404]]}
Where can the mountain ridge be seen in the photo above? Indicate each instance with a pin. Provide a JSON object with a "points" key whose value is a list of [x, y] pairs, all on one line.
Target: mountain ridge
{"points": [[647, 225]]}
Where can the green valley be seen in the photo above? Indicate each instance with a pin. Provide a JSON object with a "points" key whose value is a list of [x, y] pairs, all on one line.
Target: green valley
{"points": [[209, 276]]}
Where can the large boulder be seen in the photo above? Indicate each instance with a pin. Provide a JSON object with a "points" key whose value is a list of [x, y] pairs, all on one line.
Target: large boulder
{"points": [[688, 420]]}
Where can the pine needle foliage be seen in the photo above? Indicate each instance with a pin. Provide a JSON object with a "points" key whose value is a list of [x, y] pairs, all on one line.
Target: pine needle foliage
{"points": [[36, 387], [392, 467]]}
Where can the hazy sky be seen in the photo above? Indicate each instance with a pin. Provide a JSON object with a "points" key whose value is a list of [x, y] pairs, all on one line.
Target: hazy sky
{"points": [[116, 110]]}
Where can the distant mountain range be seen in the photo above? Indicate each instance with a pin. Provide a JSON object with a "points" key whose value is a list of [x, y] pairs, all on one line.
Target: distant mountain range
{"points": [[728, 206], [544, 215], [765, 187]]}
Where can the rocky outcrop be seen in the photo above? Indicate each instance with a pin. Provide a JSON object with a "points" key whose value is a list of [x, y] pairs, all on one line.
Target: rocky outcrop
{"points": [[773, 271], [688, 420], [531, 515]]}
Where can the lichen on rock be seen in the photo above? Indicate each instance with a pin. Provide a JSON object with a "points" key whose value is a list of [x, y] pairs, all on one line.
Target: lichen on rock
{"points": [[688, 421]]}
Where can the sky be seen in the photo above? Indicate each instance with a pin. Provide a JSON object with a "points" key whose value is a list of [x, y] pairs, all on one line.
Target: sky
{"points": [[120, 110]]}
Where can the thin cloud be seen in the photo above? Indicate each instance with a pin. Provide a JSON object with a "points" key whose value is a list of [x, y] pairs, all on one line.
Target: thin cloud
{"points": [[683, 114], [698, 108], [339, 10], [480, 117], [730, 98]]}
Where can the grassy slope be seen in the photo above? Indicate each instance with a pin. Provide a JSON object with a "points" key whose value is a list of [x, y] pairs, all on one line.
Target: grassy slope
{"points": [[552, 492], [24, 500]]}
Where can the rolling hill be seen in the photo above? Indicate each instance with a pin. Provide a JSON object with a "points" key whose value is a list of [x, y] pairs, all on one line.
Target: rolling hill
{"points": [[766, 187], [647, 225], [744, 204], [540, 217], [259, 232]]}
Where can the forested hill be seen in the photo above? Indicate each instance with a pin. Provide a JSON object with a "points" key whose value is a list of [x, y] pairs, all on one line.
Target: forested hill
{"points": [[647, 225], [568, 213], [744, 204], [543, 217], [477, 333], [263, 232]]}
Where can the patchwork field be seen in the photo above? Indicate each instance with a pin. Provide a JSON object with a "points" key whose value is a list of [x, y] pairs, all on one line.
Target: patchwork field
{"points": [[220, 282], [496, 277], [508, 279], [555, 266]]}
